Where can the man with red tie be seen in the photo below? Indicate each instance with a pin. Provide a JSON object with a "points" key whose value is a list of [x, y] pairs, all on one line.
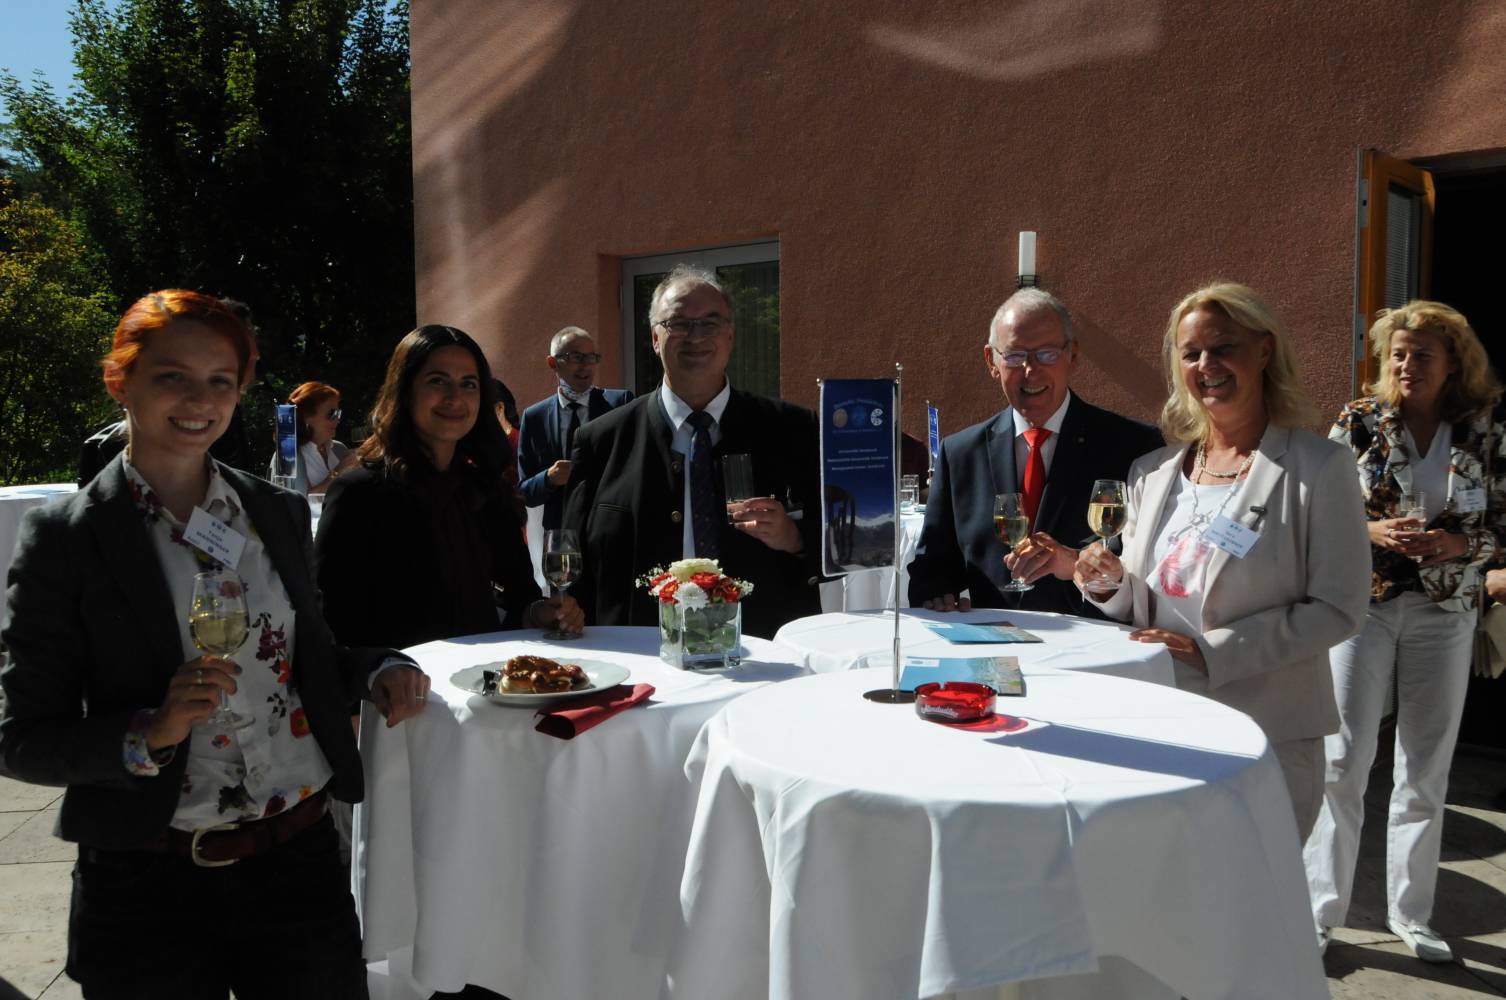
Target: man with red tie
{"points": [[1048, 445]]}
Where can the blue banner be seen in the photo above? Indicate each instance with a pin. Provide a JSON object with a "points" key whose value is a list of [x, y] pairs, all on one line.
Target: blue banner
{"points": [[933, 433], [287, 440], [858, 465]]}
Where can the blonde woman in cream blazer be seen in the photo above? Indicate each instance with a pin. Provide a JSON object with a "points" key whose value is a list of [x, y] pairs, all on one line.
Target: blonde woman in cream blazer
{"points": [[1251, 631]]}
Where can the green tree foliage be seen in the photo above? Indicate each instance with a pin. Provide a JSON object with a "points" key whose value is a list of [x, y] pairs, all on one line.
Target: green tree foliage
{"points": [[257, 149], [55, 318]]}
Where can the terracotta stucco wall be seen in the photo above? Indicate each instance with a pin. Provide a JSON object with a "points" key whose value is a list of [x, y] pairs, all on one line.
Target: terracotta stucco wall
{"points": [[897, 147]]}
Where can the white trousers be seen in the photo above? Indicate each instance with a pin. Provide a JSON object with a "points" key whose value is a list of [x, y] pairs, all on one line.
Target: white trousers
{"points": [[1427, 650]]}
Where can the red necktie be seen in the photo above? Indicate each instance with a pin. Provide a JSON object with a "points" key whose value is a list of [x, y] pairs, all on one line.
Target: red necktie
{"points": [[1035, 471]]}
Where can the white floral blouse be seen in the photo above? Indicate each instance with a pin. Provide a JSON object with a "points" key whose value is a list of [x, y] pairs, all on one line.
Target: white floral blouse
{"points": [[273, 764]]}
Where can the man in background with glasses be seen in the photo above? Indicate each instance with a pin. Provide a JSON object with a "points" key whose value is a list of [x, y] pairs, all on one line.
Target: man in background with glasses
{"points": [[1049, 445], [646, 485], [549, 426]]}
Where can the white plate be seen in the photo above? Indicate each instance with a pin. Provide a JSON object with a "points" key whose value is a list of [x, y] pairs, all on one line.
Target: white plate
{"points": [[602, 675]]}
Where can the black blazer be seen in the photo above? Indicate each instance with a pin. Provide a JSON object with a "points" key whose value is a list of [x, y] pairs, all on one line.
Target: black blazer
{"points": [[93, 638], [541, 443], [383, 576], [627, 490], [958, 548]]}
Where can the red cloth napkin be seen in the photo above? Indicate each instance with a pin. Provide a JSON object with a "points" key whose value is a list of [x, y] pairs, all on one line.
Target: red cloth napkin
{"points": [[592, 710]]}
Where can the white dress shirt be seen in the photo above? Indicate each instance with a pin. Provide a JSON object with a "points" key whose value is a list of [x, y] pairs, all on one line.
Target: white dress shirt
{"points": [[1048, 447], [678, 412]]}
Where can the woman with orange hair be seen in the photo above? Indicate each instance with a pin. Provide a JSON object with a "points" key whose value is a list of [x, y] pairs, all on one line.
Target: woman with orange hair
{"points": [[320, 457], [216, 838]]}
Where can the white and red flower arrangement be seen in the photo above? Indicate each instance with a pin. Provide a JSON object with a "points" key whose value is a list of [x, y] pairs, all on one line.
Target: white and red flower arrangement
{"points": [[695, 583]]}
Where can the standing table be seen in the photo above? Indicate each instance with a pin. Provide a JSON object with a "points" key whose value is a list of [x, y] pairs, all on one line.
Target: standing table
{"points": [[847, 849]]}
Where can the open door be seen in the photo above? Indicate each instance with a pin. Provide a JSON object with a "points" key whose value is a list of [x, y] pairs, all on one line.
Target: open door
{"points": [[1395, 237]]}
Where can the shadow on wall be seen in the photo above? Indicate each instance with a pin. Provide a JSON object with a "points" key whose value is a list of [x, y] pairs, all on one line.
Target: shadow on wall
{"points": [[1032, 39]]}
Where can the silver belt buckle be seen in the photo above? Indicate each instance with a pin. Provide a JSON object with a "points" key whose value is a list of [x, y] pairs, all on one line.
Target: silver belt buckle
{"points": [[193, 846]]}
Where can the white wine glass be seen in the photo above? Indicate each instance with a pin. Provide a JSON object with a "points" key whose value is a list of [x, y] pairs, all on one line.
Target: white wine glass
{"points": [[1107, 514], [1414, 505], [561, 569], [219, 623], [1012, 526]]}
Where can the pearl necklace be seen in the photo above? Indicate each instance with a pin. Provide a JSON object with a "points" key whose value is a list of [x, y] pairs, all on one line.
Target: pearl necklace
{"points": [[1196, 521]]}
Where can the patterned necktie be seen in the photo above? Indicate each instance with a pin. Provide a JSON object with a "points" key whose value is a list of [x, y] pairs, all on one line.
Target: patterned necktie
{"points": [[571, 428], [1035, 471], [706, 514]]}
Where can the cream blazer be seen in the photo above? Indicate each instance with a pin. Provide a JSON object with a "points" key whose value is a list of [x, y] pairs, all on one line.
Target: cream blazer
{"points": [[1269, 618]]}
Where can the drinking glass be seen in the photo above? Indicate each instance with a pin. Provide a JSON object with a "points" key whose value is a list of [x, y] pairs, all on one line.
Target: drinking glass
{"points": [[1415, 506], [909, 493], [561, 568], [219, 623], [1106, 516], [737, 480], [1012, 525]]}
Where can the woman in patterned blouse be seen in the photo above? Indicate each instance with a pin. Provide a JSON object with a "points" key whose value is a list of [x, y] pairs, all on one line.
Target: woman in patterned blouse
{"points": [[1420, 442], [207, 860]]}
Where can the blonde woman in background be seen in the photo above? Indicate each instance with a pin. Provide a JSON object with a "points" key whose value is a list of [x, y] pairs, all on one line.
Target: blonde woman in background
{"points": [[1249, 618], [1424, 428]]}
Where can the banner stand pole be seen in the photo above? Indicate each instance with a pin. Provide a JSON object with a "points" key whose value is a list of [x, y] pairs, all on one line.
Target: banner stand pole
{"points": [[893, 695]]}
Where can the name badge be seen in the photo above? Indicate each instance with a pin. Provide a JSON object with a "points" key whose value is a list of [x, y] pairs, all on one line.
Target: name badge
{"points": [[1231, 536], [1469, 501], [214, 538]]}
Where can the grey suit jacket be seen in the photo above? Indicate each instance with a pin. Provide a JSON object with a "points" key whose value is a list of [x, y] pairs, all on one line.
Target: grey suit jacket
{"points": [[1270, 617], [93, 638]]}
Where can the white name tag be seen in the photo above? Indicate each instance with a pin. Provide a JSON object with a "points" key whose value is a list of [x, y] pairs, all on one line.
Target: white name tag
{"points": [[1469, 501], [214, 538], [1231, 536]]}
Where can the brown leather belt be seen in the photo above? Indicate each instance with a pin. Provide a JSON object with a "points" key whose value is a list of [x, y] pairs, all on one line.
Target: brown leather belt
{"points": [[217, 846]]}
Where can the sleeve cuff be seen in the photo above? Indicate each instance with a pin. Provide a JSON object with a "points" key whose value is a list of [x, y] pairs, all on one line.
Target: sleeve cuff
{"points": [[391, 661], [140, 759]]}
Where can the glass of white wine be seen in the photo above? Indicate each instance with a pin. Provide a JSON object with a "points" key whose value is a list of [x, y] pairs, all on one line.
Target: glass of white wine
{"points": [[219, 624], [561, 568], [1415, 506], [1106, 516], [1012, 525]]}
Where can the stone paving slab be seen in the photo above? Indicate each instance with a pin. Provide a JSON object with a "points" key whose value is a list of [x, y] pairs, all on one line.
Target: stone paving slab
{"points": [[33, 841], [18, 796]]}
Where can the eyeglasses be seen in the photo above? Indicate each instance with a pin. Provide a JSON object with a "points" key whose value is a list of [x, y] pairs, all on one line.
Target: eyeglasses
{"points": [[705, 326], [1043, 357], [577, 358], [335, 414]]}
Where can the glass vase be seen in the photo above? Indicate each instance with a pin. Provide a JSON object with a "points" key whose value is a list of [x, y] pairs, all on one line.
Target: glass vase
{"points": [[707, 638]]}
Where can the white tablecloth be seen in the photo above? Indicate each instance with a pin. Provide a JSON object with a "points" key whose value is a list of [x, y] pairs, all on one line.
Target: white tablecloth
{"points": [[875, 588], [15, 501], [539, 868], [848, 641], [846, 849]]}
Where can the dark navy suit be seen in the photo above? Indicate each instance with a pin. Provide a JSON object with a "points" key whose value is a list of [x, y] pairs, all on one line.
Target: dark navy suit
{"points": [[541, 443], [958, 549]]}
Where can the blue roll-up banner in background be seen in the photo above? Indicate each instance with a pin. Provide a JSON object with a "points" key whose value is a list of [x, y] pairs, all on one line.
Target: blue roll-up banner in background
{"points": [[287, 439], [933, 433], [857, 474]]}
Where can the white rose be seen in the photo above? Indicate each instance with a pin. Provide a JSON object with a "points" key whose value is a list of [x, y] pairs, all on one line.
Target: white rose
{"points": [[686, 568], [690, 595]]}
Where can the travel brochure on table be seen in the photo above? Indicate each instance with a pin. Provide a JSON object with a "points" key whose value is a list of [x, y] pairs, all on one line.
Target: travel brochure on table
{"points": [[1002, 673], [962, 632]]}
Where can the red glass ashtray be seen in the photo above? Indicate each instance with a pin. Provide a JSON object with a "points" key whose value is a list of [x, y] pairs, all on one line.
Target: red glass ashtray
{"points": [[954, 701]]}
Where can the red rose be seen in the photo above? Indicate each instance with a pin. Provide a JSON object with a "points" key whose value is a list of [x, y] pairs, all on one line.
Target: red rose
{"points": [[298, 723], [728, 591], [706, 581], [667, 592]]}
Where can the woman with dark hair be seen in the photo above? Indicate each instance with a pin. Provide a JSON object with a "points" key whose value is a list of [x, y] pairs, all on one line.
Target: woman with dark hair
{"points": [[217, 838], [423, 541]]}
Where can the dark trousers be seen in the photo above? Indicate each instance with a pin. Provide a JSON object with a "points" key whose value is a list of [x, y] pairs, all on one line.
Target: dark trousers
{"points": [[279, 926]]}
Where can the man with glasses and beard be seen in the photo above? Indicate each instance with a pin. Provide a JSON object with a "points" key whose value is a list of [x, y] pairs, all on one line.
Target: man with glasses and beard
{"points": [[1048, 445], [548, 428], [646, 487]]}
